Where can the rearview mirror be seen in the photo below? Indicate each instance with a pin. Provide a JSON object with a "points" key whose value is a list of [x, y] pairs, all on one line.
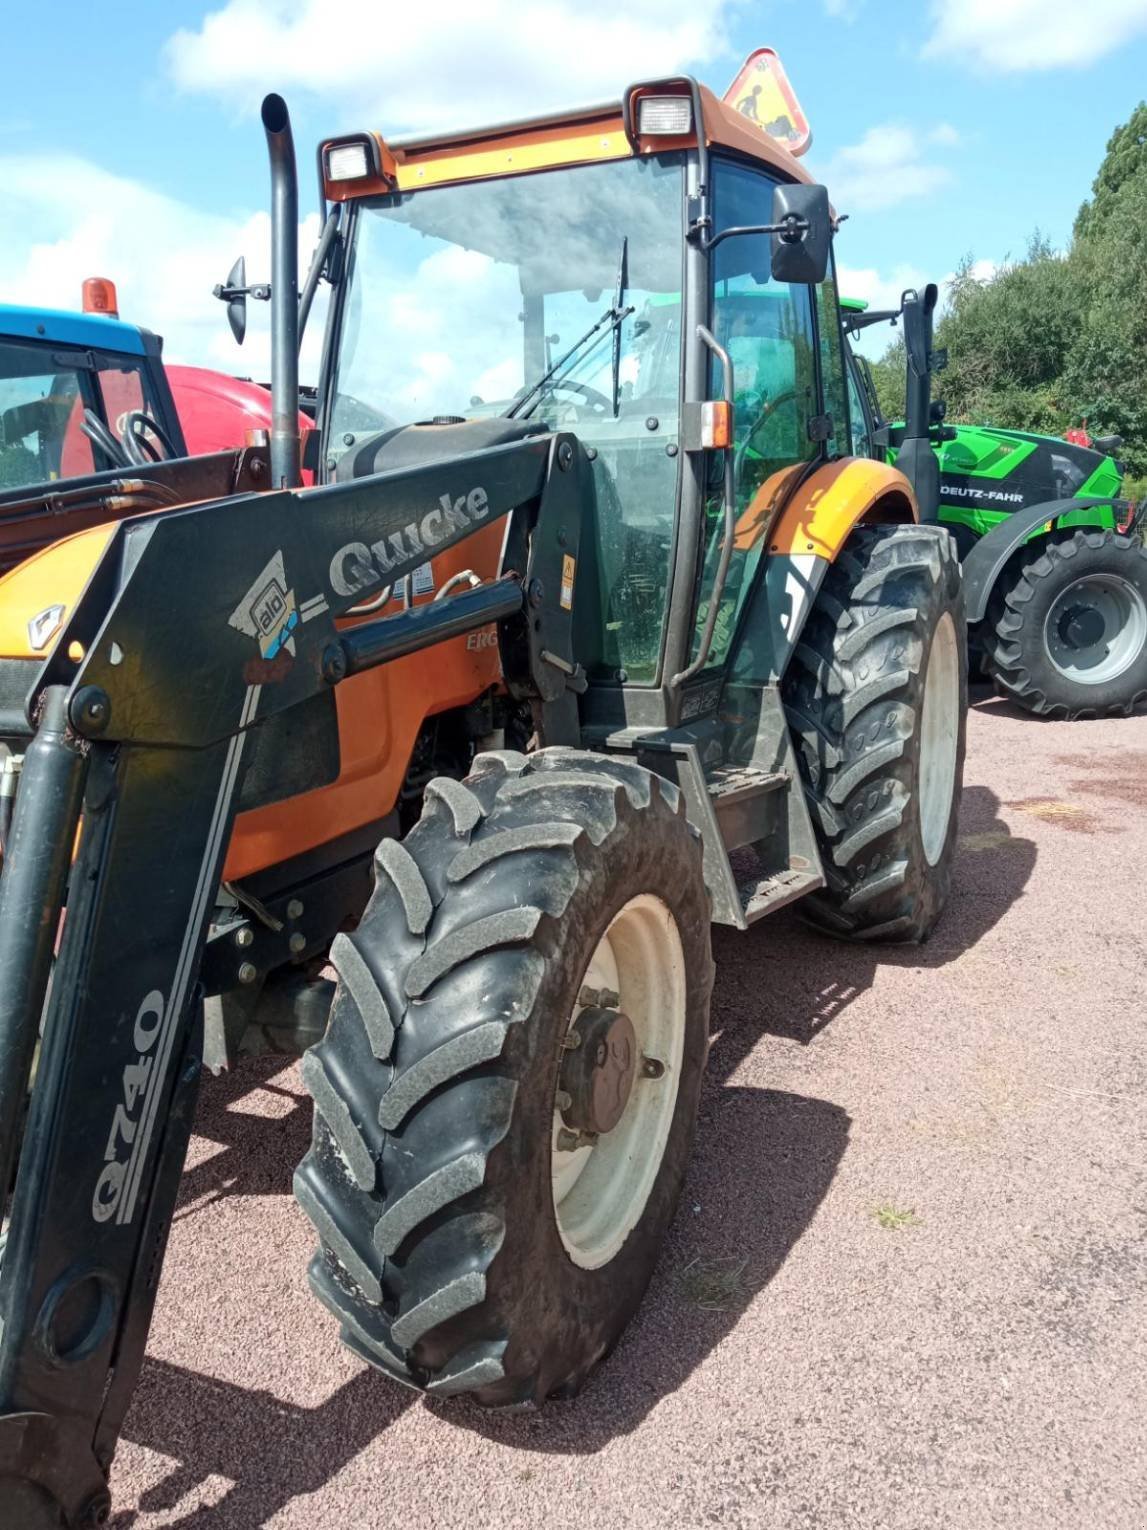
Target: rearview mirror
{"points": [[233, 292], [800, 247]]}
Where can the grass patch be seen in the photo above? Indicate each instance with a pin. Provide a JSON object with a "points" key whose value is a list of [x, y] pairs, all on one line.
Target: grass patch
{"points": [[715, 1285], [893, 1218]]}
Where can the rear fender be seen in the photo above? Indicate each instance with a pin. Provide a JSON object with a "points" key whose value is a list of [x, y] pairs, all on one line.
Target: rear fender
{"points": [[820, 515], [987, 560], [811, 532]]}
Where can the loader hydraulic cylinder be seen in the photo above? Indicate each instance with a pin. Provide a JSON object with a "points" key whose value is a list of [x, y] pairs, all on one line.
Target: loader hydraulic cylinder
{"points": [[31, 896]]}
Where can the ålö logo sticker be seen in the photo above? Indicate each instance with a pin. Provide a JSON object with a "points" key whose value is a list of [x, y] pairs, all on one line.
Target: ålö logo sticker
{"points": [[268, 612]]}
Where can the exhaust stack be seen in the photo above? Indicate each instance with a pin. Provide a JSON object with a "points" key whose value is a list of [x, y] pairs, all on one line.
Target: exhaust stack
{"points": [[284, 294], [916, 459]]}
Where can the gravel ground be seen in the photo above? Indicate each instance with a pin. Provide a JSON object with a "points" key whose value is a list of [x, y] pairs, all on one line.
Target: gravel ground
{"points": [[907, 1285]]}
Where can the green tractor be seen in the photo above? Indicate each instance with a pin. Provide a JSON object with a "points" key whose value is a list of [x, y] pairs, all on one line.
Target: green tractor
{"points": [[1055, 568]]}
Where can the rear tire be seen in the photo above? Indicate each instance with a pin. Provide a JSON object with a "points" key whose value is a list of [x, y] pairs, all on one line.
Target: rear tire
{"points": [[1045, 661], [431, 1177], [877, 698]]}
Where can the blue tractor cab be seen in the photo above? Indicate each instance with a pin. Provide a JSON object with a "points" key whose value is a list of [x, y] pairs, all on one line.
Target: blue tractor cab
{"points": [[80, 393]]}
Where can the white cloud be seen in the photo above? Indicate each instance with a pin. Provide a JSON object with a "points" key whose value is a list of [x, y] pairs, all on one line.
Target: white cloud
{"points": [[883, 290], [163, 256], [398, 68], [1007, 36], [880, 290], [887, 167]]}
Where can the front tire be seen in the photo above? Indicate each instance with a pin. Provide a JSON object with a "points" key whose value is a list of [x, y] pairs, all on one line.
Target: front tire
{"points": [[877, 698], [1066, 629], [455, 1252]]}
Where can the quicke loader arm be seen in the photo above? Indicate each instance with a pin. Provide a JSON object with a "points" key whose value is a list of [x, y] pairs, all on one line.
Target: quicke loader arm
{"points": [[198, 627]]}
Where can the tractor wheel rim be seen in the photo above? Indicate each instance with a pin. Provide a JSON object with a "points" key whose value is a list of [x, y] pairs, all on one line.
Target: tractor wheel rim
{"points": [[1096, 628], [600, 1189], [939, 731]]}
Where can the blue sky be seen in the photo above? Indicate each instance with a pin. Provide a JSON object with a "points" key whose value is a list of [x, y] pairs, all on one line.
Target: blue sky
{"points": [[129, 144]]}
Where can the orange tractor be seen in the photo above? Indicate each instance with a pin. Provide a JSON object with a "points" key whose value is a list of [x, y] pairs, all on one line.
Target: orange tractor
{"points": [[589, 633]]}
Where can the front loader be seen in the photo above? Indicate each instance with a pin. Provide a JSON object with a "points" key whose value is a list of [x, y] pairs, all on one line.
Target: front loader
{"points": [[590, 633]]}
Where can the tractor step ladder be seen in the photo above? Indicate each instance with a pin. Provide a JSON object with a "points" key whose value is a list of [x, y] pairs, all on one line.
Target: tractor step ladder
{"points": [[759, 847], [761, 896], [737, 793]]}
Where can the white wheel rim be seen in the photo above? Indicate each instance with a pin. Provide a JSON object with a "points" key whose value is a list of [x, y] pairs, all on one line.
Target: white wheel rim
{"points": [[600, 1191], [1121, 614], [939, 729]]}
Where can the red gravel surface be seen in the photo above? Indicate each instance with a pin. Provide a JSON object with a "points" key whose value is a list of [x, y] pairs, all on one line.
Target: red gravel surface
{"points": [[907, 1285]]}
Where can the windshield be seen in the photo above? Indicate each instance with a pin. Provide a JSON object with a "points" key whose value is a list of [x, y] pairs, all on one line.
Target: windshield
{"points": [[461, 298], [44, 391]]}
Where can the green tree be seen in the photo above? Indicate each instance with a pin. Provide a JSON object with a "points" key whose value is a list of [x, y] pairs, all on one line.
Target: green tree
{"points": [[1106, 369], [889, 375], [1007, 339], [1054, 338]]}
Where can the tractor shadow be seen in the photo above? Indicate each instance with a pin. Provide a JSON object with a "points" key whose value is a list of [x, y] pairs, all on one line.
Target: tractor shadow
{"points": [[270, 1452], [241, 1152], [786, 980], [984, 701], [764, 1161]]}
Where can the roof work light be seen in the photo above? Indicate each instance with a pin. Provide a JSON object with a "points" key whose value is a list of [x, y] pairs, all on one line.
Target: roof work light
{"points": [[664, 116]]}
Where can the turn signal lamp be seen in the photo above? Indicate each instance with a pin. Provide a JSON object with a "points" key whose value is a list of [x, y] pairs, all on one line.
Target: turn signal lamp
{"points": [[664, 116], [100, 297], [717, 424]]}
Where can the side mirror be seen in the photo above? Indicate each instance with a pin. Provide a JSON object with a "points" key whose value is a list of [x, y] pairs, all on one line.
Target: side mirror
{"points": [[233, 292], [800, 249], [237, 305]]}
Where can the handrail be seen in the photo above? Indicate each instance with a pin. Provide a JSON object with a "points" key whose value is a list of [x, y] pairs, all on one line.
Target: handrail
{"points": [[722, 573]]}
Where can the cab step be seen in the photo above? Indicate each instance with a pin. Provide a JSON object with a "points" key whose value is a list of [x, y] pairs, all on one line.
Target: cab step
{"points": [[762, 895], [744, 802], [760, 851]]}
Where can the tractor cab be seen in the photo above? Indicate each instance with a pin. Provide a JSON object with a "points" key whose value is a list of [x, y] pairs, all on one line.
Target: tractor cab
{"points": [[562, 276], [77, 392]]}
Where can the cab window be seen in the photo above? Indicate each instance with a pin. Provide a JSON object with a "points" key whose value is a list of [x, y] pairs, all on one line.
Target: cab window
{"points": [[767, 329], [860, 443], [832, 365], [42, 401]]}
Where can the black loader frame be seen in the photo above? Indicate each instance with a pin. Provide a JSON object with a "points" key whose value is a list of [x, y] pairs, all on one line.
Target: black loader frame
{"points": [[145, 741]]}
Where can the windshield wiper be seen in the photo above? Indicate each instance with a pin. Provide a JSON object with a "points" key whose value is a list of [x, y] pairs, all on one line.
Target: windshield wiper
{"points": [[618, 295], [613, 316]]}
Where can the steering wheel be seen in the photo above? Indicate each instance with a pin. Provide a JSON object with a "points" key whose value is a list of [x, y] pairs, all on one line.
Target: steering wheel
{"points": [[766, 414], [593, 397], [137, 427]]}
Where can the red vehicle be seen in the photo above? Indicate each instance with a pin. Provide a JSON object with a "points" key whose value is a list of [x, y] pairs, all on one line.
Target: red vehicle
{"points": [[83, 393]]}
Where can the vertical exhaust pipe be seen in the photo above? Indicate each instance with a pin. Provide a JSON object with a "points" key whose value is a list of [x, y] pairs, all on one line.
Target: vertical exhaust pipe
{"points": [[284, 294], [916, 459]]}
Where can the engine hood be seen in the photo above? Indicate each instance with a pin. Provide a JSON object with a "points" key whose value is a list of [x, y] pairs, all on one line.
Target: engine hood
{"points": [[50, 581]]}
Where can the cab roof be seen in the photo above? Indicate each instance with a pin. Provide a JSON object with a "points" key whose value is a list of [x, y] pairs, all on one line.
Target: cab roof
{"points": [[62, 327], [579, 135]]}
